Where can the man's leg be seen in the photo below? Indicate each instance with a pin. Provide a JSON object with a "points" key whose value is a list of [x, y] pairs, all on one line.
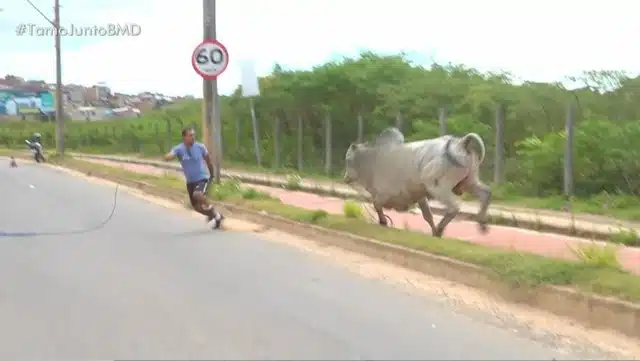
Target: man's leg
{"points": [[196, 202], [204, 206], [203, 187]]}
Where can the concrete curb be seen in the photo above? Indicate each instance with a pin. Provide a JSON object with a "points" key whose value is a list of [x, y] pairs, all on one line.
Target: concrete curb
{"points": [[588, 309], [567, 226]]}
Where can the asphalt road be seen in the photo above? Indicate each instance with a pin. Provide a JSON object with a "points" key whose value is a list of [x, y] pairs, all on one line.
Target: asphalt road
{"points": [[156, 284]]}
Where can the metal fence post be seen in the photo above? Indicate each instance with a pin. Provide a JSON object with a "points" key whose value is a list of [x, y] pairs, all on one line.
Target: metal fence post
{"points": [[276, 140], [300, 129], [399, 121], [568, 152], [442, 118], [327, 145], [360, 128], [498, 166]]}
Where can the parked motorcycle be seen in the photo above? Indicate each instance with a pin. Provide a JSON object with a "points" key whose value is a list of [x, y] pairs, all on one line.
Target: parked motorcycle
{"points": [[36, 149]]}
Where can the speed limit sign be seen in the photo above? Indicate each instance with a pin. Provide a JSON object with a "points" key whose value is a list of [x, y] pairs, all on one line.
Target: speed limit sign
{"points": [[210, 59]]}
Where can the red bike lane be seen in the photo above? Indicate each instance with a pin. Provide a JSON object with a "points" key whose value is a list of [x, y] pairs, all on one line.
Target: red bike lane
{"points": [[517, 239]]}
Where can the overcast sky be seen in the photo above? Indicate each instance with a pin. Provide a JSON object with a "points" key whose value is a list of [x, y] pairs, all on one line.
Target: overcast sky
{"points": [[540, 40]]}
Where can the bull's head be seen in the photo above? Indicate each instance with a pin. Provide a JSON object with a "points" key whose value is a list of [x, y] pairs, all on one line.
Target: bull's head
{"points": [[351, 173]]}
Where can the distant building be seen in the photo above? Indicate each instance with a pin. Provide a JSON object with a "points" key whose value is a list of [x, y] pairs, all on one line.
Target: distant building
{"points": [[75, 93], [12, 81], [21, 97], [120, 100], [102, 92], [38, 83], [97, 94], [26, 101], [125, 112]]}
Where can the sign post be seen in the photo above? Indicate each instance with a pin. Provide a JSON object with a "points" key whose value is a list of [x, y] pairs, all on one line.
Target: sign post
{"points": [[250, 89], [210, 59]]}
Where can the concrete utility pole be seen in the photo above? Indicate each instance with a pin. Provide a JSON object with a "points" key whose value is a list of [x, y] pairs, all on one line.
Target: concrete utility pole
{"points": [[211, 123], [59, 101], [59, 104]]}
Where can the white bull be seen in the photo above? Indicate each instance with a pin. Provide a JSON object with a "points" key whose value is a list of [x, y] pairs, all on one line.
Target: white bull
{"points": [[399, 175]]}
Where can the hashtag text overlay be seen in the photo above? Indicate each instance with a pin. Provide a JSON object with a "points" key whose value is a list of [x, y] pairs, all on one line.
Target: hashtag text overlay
{"points": [[104, 30]]}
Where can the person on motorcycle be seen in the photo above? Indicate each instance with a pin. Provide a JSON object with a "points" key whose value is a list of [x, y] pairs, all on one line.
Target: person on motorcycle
{"points": [[35, 138], [34, 143]]}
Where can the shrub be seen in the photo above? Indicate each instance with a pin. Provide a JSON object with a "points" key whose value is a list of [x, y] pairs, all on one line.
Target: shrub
{"points": [[597, 255], [318, 215], [352, 210], [293, 181]]}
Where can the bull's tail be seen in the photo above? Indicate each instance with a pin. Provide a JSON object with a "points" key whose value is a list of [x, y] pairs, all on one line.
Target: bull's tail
{"points": [[466, 143]]}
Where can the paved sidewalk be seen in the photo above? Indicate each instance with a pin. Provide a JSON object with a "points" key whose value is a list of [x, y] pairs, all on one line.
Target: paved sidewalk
{"points": [[547, 244], [585, 222]]}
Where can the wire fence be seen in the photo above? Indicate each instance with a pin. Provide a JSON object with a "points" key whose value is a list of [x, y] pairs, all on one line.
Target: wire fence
{"points": [[316, 144]]}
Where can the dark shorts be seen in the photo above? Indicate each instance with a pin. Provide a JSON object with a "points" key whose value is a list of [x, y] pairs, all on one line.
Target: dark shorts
{"points": [[199, 186]]}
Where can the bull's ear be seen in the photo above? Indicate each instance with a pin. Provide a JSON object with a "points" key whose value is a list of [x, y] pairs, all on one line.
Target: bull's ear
{"points": [[466, 142]]}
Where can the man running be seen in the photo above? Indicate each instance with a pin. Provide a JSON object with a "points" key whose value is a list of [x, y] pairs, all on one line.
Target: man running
{"points": [[191, 155]]}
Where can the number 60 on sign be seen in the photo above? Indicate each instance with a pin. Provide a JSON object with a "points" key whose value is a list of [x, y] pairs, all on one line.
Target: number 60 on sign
{"points": [[210, 59]]}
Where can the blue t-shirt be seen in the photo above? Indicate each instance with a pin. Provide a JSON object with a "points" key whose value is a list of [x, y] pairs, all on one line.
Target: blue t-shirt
{"points": [[192, 161]]}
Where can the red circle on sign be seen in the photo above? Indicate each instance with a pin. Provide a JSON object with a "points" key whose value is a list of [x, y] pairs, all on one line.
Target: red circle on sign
{"points": [[194, 64]]}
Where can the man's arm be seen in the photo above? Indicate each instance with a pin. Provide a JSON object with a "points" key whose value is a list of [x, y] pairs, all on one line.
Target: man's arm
{"points": [[169, 156], [207, 159]]}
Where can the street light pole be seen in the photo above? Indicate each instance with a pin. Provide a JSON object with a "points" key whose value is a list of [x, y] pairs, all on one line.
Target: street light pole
{"points": [[59, 104]]}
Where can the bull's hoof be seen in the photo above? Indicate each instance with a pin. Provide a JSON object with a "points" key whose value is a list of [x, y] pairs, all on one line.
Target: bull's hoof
{"points": [[438, 233], [483, 227], [383, 224], [415, 210]]}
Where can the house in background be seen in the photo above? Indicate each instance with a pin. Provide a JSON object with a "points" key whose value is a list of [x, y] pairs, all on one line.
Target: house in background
{"points": [[11, 81], [102, 92], [90, 114], [125, 112], [120, 100], [97, 94], [31, 102], [75, 93], [36, 96]]}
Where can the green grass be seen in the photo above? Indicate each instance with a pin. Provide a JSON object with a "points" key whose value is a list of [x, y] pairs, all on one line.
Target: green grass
{"points": [[595, 271]]}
